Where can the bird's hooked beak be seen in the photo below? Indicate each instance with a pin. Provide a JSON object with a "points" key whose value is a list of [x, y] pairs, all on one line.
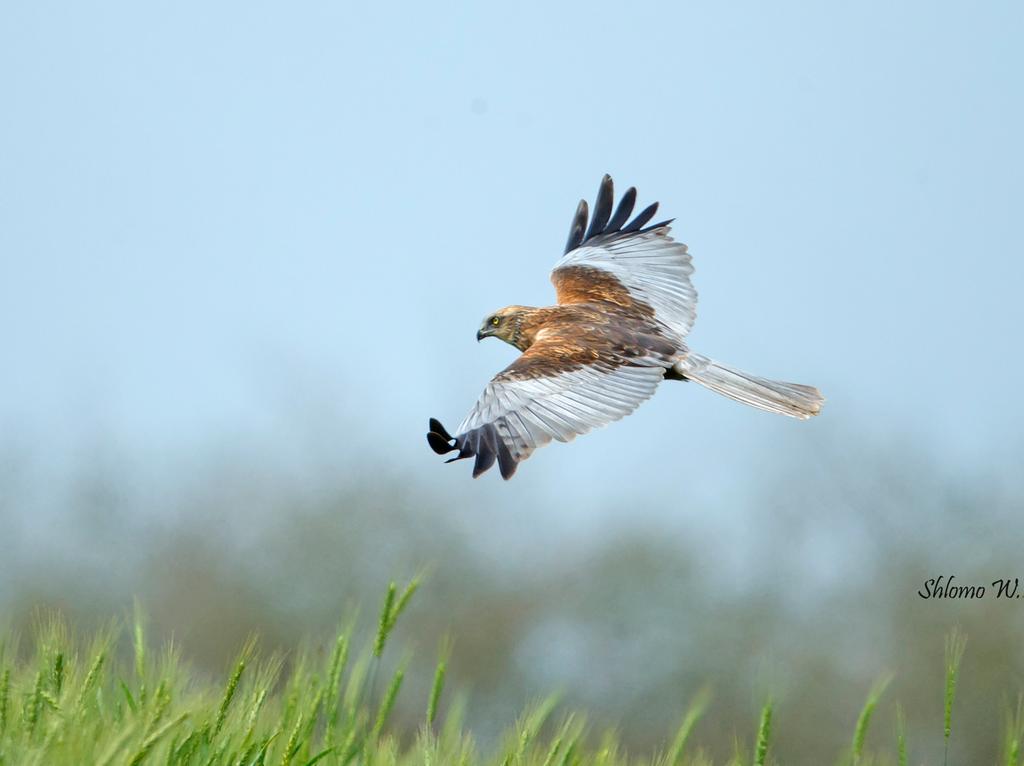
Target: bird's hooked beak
{"points": [[480, 335], [485, 331]]}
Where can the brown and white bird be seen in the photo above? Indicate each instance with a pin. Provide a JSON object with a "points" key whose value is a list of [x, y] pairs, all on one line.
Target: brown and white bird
{"points": [[625, 305]]}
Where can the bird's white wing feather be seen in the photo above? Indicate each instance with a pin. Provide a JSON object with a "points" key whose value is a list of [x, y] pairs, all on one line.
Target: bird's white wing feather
{"points": [[514, 416], [650, 265]]}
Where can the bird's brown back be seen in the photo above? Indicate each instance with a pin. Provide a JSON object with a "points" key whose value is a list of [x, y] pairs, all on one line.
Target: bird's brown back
{"points": [[556, 339]]}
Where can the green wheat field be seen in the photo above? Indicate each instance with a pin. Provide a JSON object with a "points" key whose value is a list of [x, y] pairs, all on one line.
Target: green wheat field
{"points": [[113, 700]]}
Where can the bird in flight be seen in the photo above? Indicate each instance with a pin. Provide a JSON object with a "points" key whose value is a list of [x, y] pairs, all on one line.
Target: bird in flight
{"points": [[625, 305]]}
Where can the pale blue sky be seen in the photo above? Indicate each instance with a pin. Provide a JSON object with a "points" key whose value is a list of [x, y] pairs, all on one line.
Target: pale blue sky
{"points": [[216, 218]]}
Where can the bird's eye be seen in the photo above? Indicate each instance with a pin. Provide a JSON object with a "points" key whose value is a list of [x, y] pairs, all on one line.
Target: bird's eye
{"points": [[495, 321]]}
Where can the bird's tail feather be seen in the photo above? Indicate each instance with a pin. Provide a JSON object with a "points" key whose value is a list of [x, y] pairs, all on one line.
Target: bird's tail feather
{"points": [[790, 399]]}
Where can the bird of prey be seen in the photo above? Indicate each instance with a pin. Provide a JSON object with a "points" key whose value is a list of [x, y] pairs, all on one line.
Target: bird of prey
{"points": [[625, 305]]}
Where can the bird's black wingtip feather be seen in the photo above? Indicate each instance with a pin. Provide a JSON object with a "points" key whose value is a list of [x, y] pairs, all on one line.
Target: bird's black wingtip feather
{"points": [[439, 439], [439, 444], [483, 443], [579, 225], [623, 210], [602, 207], [645, 215], [604, 222], [437, 428], [487, 447]]}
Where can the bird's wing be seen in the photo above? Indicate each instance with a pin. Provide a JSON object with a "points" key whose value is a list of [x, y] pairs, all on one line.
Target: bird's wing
{"points": [[556, 390], [636, 267]]}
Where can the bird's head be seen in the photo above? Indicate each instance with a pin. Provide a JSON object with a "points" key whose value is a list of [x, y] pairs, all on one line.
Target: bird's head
{"points": [[506, 324]]}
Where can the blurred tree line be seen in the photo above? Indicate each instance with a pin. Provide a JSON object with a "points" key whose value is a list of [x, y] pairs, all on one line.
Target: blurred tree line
{"points": [[811, 596]]}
